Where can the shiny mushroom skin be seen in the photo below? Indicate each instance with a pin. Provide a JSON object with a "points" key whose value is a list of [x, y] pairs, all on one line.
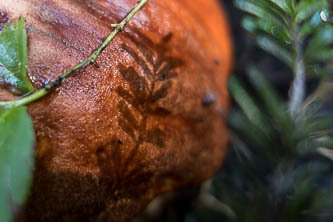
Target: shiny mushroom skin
{"points": [[146, 118]]}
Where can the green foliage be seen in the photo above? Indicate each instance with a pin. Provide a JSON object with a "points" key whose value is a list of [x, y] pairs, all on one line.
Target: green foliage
{"points": [[280, 171], [284, 161], [13, 56], [282, 26], [16, 130], [16, 160]]}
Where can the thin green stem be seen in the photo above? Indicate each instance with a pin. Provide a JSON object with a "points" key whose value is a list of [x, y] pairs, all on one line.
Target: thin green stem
{"points": [[90, 60]]}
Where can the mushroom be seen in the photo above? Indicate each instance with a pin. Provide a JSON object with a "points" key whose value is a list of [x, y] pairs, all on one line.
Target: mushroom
{"points": [[146, 118]]}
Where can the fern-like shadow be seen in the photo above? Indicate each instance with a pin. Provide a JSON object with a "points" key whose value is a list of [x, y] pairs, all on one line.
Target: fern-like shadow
{"points": [[146, 88]]}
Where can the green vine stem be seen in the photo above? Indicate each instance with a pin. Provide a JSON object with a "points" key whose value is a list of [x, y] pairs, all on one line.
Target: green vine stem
{"points": [[90, 60]]}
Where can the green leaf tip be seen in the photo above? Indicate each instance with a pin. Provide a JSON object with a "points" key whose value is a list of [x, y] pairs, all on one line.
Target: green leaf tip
{"points": [[13, 56], [16, 159]]}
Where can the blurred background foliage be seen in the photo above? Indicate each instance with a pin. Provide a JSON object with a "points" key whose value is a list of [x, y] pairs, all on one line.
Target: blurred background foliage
{"points": [[280, 161]]}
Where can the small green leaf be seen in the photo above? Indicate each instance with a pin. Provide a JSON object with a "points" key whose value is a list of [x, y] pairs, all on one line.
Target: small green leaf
{"points": [[311, 25], [262, 11], [250, 109], [265, 90], [307, 8], [275, 49], [256, 26], [13, 55], [16, 159], [273, 103], [282, 4], [319, 45]]}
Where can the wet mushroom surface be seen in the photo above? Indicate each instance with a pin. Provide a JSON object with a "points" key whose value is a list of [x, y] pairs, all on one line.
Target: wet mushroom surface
{"points": [[146, 118]]}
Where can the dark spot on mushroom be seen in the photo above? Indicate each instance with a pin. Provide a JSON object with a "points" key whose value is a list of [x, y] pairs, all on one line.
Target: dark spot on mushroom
{"points": [[208, 99], [101, 154], [3, 19], [217, 62], [102, 39], [120, 142], [96, 65], [164, 76]]}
